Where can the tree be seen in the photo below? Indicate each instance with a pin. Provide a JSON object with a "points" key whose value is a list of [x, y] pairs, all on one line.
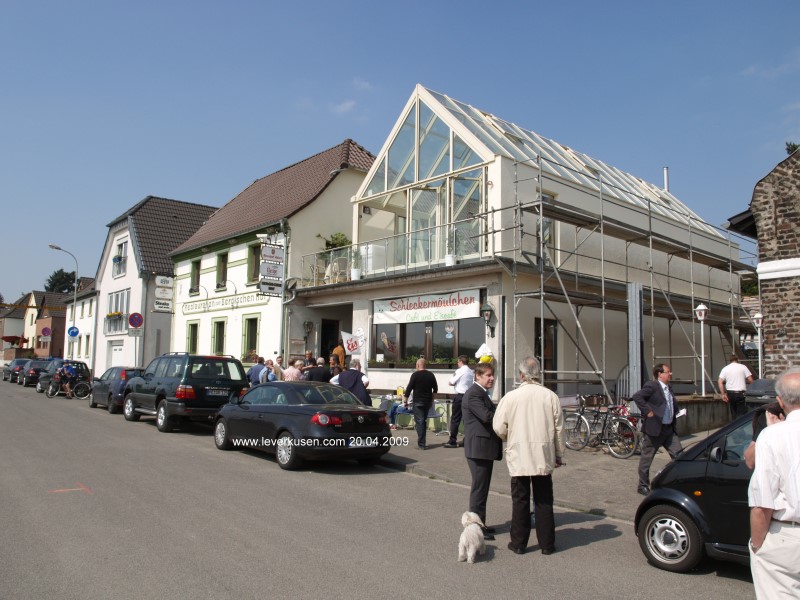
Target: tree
{"points": [[61, 281], [791, 147], [2, 300]]}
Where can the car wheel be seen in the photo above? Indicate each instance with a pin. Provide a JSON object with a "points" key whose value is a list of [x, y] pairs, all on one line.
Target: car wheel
{"points": [[128, 409], [285, 452], [20, 380], [163, 422], [669, 539], [221, 435], [92, 403], [39, 388], [112, 405]]}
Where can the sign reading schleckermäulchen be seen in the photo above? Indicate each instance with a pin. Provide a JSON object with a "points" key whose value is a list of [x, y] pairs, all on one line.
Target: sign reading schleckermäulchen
{"points": [[432, 307]]}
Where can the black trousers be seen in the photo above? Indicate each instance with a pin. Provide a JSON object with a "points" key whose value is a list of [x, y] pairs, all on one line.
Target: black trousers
{"points": [[737, 404], [455, 418], [667, 439], [481, 471], [421, 410], [542, 486]]}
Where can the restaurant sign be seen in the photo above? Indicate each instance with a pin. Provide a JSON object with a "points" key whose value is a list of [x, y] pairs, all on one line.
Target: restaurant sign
{"points": [[433, 307]]}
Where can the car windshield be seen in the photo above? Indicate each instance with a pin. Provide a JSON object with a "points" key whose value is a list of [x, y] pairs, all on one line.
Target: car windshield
{"points": [[39, 364], [325, 394], [210, 368], [131, 373]]}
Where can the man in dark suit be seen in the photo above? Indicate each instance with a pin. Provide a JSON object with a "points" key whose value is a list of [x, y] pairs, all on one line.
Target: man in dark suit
{"points": [[658, 406], [482, 446], [423, 385], [320, 372]]}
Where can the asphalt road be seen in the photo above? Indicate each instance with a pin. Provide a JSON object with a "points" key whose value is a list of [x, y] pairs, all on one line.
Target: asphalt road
{"points": [[92, 506]]}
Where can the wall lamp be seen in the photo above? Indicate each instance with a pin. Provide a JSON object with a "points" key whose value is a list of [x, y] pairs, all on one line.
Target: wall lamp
{"points": [[308, 327], [487, 312]]}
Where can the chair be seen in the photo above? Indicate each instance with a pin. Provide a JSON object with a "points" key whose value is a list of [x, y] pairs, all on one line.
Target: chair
{"points": [[339, 270], [318, 271]]}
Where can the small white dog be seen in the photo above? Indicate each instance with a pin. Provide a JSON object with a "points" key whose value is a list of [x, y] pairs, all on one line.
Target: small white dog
{"points": [[471, 541]]}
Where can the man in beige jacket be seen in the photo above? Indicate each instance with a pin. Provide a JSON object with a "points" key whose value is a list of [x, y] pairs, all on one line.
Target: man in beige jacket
{"points": [[530, 420]]}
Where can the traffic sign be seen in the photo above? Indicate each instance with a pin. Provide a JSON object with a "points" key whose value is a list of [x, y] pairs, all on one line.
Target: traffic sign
{"points": [[73, 332], [46, 331], [135, 320], [135, 332]]}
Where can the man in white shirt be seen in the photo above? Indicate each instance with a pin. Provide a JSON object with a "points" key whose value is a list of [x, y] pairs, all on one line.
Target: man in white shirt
{"points": [[461, 381], [732, 381], [774, 499]]}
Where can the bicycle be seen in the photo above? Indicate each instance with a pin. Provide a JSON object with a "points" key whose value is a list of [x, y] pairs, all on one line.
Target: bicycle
{"points": [[609, 425], [80, 390]]}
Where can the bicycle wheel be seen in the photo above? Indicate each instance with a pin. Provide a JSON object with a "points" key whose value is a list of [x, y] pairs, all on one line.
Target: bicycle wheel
{"points": [[576, 431], [82, 390], [620, 437]]}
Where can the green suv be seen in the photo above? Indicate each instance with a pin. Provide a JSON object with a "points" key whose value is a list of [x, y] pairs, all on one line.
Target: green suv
{"points": [[178, 387]]}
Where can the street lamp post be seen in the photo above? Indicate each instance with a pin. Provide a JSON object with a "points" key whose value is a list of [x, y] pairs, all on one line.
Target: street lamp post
{"points": [[74, 293], [758, 321], [702, 312]]}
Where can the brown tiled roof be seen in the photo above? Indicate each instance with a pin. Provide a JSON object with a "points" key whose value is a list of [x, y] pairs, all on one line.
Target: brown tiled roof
{"points": [[281, 194], [54, 304], [16, 310], [158, 226]]}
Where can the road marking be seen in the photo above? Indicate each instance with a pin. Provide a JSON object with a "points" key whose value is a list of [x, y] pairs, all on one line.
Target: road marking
{"points": [[81, 488]]}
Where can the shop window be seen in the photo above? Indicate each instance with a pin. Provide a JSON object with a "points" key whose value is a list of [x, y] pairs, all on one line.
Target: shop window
{"points": [[437, 341]]}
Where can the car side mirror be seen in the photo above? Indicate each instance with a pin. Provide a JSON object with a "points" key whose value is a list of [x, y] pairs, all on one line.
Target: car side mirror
{"points": [[148, 376], [716, 454]]}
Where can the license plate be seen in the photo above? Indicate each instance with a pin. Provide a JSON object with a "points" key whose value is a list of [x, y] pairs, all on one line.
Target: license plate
{"points": [[216, 392]]}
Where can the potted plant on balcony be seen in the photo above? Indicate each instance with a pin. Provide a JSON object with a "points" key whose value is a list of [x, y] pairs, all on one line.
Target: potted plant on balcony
{"points": [[450, 256], [355, 263]]}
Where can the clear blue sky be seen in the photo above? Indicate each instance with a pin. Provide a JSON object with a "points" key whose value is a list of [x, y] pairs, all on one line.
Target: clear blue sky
{"points": [[103, 103]]}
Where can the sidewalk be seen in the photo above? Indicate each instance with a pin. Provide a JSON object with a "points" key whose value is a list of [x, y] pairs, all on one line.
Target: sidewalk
{"points": [[591, 481]]}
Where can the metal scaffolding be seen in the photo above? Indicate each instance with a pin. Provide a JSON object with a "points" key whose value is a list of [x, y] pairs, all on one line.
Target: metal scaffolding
{"points": [[577, 290]]}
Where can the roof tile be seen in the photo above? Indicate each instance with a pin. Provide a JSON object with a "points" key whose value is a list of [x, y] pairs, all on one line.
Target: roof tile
{"points": [[281, 194]]}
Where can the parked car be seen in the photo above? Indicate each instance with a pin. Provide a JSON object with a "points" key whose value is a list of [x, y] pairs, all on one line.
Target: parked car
{"points": [[178, 387], [82, 370], [698, 503], [12, 369], [109, 389], [30, 372], [303, 420]]}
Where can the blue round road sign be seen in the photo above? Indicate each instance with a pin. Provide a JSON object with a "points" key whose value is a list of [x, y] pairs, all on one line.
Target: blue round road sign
{"points": [[135, 320], [73, 332]]}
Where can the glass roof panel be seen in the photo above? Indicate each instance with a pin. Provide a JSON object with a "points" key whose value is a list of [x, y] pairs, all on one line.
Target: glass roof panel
{"points": [[378, 182], [434, 144], [401, 155], [463, 155]]}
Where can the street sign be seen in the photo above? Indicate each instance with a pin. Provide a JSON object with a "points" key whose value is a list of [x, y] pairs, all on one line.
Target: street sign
{"points": [[135, 320], [162, 305], [73, 332], [135, 332], [271, 270], [270, 288], [45, 338], [272, 252], [162, 281], [46, 331], [163, 293]]}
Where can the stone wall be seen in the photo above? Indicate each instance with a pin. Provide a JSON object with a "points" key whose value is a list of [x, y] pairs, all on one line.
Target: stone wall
{"points": [[776, 209]]}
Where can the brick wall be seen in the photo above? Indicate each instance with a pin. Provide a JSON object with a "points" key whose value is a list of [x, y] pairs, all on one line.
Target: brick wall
{"points": [[776, 209]]}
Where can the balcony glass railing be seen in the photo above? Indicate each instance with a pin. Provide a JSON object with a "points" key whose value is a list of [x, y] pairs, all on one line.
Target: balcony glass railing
{"points": [[421, 250]]}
